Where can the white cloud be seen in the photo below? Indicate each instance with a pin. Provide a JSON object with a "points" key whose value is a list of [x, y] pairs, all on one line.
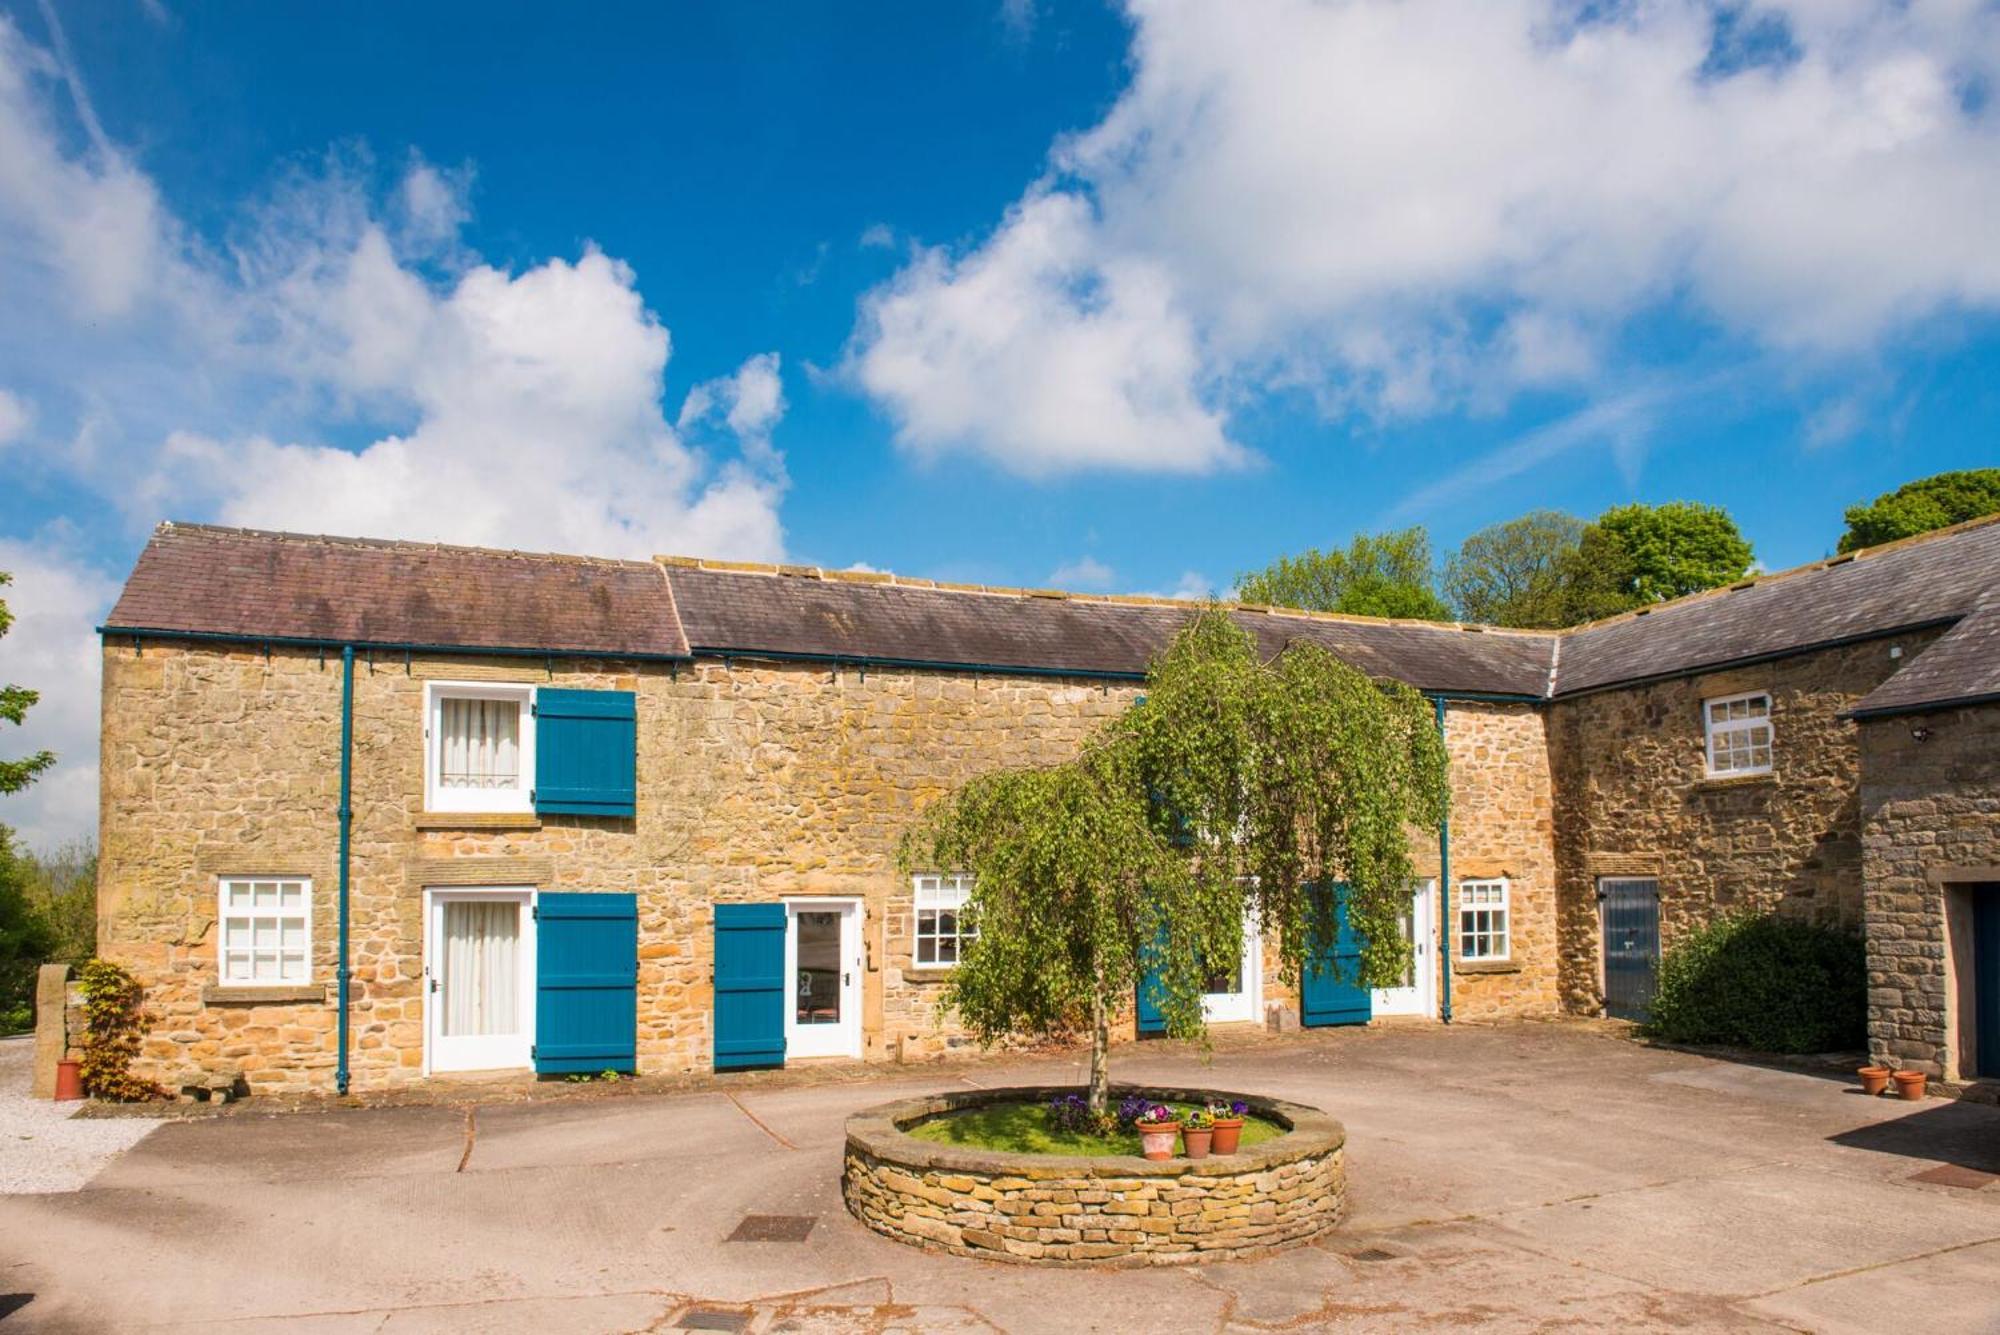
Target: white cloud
{"points": [[1040, 353], [15, 416], [335, 360], [1192, 587], [1404, 206], [52, 647], [1086, 572], [878, 236]]}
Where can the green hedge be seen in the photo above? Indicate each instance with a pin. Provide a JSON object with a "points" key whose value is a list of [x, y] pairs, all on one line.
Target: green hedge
{"points": [[1767, 983]]}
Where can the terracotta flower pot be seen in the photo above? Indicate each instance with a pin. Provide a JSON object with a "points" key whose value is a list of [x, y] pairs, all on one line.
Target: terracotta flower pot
{"points": [[69, 1080], [1228, 1130], [1156, 1139], [1196, 1139], [1874, 1079], [1910, 1084]]}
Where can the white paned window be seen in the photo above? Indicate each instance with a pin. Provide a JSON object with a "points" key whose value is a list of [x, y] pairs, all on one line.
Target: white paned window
{"points": [[1483, 932], [266, 932], [943, 925], [479, 744], [1739, 734]]}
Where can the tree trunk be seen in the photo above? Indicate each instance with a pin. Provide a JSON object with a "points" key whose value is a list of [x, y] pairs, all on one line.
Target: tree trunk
{"points": [[1100, 1057]]}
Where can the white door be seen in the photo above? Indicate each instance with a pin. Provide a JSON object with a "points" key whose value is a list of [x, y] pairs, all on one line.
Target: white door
{"points": [[479, 987], [1236, 993], [823, 962], [1415, 923]]}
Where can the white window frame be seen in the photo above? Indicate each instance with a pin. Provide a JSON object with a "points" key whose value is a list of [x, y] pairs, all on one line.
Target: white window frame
{"points": [[224, 914], [1711, 730], [938, 883], [518, 799], [1503, 903]]}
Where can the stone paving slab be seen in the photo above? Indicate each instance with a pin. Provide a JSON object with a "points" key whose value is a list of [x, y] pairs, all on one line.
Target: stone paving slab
{"points": [[1517, 1178]]}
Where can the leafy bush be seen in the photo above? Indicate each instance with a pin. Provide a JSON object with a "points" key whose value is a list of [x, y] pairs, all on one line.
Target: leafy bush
{"points": [[114, 1022], [1763, 982]]}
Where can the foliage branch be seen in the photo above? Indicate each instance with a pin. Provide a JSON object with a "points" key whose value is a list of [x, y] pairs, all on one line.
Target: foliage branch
{"points": [[1238, 787]]}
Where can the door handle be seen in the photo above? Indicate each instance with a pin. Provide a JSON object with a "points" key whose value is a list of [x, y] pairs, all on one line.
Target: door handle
{"points": [[434, 984], [846, 979]]}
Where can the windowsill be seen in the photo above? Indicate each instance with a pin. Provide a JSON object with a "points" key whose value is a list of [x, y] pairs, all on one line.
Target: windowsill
{"points": [[1716, 781], [1485, 966], [278, 994], [928, 973], [478, 820]]}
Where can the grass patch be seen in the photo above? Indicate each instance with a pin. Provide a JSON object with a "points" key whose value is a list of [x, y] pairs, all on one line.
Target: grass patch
{"points": [[1023, 1128]]}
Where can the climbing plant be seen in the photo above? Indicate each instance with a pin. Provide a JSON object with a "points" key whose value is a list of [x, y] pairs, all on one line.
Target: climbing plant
{"points": [[1237, 786], [113, 1023]]}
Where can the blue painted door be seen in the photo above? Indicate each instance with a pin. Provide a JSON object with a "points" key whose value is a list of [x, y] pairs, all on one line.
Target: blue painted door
{"points": [[749, 986], [1148, 1019], [586, 982], [1331, 992], [1986, 978], [1630, 911]]}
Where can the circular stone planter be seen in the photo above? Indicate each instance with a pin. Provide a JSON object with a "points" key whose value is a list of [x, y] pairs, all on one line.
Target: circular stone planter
{"points": [[1046, 1209]]}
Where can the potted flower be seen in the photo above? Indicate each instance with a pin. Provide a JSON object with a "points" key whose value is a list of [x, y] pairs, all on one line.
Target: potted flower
{"points": [[1228, 1122], [1874, 1079], [1157, 1127], [1196, 1131]]}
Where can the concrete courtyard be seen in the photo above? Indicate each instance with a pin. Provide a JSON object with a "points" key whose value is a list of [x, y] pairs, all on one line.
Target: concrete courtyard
{"points": [[1518, 1178]]}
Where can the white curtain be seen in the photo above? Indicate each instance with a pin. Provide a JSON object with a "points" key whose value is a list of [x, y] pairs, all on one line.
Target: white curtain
{"points": [[480, 743], [482, 968]]}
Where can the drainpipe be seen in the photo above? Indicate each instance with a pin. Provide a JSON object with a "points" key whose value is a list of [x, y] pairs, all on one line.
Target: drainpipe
{"points": [[341, 972], [1444, 895]]}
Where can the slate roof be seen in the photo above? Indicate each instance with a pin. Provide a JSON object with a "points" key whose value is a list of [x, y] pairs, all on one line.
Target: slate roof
{"points": [[243, 583], [1930, 580], [1961, 668], [838, 615], [250, 585]]}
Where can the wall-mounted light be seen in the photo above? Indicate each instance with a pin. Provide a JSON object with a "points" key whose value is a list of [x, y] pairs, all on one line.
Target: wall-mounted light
{"points": [[1920, 733]]}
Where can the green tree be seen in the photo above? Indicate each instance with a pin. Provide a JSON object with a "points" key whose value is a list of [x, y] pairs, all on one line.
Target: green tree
{"points": [[25, 938], [14, 701], [1519, 573], [1378, 575], [62, 891], [1654, 552], [1921, 506], [1237, 785]]}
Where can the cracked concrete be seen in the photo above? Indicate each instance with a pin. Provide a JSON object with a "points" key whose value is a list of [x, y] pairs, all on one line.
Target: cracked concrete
{"points": [[1523, 1177]]}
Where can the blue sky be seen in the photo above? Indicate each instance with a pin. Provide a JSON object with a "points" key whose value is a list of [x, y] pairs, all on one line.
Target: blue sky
{"points": [[1013, 292]]}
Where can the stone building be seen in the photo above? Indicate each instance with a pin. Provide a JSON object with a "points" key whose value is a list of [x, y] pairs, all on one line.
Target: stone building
{"points": [[644, 814]]}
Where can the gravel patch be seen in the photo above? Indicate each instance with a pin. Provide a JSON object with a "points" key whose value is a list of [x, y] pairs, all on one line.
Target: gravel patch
{"points": [[44, 1147]]}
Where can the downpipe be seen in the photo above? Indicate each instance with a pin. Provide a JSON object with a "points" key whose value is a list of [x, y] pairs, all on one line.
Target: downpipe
{"points": [[342, 973], [1444, 893]]}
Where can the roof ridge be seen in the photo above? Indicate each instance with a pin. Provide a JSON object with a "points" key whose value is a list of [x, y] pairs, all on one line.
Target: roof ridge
{"points": [[170, 526], [890, 579]]}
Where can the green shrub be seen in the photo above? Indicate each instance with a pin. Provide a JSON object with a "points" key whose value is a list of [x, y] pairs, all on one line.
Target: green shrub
{"points": [[1767, 983]]}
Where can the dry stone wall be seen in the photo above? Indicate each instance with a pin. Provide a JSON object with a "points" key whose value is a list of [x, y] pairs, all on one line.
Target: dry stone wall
{"points": [[1633, 799], [1051, 1210], [1930, 809]]}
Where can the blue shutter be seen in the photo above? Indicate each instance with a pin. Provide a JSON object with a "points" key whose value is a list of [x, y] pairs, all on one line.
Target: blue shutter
{"points": [[586, 752], [1331, 992], [749, 985], [1986, 979], [1149, 1020], [586, 982]]}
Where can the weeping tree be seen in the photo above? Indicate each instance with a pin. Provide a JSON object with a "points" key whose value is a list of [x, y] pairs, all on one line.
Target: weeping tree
{"points": [[1237, 788]]}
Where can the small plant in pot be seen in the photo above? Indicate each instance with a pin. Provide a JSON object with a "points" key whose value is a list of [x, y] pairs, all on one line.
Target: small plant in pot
{"points": [[1197, 1130], [1157, 1127], [1227, 1118]]}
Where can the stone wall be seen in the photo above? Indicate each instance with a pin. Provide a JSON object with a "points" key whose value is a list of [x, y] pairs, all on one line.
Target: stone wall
{"points": [[1633, 799], [1051, 1210], [756, 782], [1930, 835]]}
